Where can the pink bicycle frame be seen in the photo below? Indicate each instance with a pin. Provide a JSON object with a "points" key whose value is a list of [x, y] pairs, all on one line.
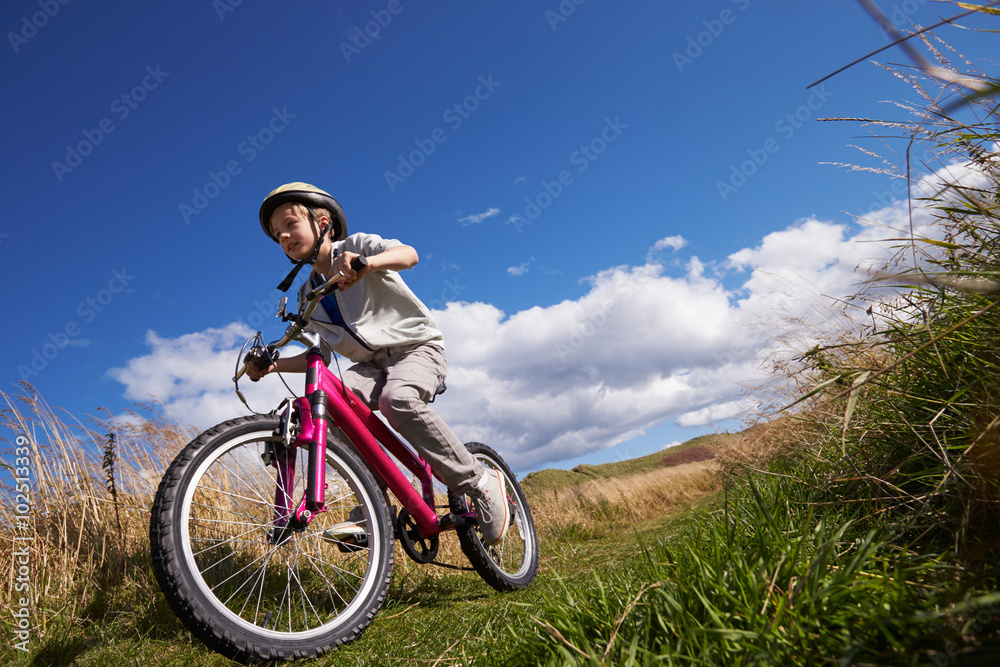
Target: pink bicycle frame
{"points": [[327, 401]]}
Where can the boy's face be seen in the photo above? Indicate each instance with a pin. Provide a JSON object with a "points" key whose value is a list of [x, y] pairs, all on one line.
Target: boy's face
{"points": [[295, 231]]}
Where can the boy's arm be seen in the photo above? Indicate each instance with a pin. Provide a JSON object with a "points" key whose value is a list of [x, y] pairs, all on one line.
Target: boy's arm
{"points": [[397, 258], [296, 364]]}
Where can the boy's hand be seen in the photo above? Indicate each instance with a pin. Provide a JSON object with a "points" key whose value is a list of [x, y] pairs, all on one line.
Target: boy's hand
{"points": [[255, 372], [257, 364], [342, 263]]}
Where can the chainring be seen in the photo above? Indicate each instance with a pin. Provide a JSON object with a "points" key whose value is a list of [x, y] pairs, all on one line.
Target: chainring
{"points": [[420, 549]]}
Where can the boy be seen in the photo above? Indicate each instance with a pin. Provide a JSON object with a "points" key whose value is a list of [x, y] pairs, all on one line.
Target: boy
{"points": [[376, 321]]}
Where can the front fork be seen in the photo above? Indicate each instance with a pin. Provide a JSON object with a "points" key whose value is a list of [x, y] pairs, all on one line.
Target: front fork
{"points": [[281, 455]]}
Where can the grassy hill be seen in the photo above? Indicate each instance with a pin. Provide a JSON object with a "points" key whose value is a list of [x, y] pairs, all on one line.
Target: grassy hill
{"points": [[551, 479]]}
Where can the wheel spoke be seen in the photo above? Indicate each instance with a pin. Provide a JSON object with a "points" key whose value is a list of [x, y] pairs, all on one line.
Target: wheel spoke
{"points": [[262, 569], [216, 544], [265, 557]]}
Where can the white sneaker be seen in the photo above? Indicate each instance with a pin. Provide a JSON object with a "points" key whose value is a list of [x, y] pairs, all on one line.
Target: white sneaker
{"points": [[348, 535], [492, 509]]}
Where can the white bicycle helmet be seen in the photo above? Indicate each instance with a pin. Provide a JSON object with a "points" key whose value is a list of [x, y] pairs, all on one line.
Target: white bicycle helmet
{"points": [[309, 196]]}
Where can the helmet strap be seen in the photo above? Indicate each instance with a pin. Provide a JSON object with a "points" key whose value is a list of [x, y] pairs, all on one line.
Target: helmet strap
{"points": [[290, 278]]}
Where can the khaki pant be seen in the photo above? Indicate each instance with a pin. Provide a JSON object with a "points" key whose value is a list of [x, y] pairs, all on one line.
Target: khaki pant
{"points": [[400, 383]]}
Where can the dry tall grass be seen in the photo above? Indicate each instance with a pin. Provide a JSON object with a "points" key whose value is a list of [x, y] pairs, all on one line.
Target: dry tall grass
{"points": [[82, 544], [614, 502]]}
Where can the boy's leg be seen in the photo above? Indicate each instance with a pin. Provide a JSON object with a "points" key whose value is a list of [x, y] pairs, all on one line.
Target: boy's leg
{"points": [[412, 379], [366, 381]]}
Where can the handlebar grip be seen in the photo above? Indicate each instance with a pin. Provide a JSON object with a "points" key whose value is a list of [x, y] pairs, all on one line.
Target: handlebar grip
{"points": [[261, 357], [359, 262]]}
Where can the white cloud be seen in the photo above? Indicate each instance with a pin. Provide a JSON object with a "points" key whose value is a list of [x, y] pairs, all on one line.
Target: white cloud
{"points": [[716, 412], [192, 376], [520, 269], [476, 218], [669, 243], [672, 242], [640, 348], [637, 350], [545, 384]]}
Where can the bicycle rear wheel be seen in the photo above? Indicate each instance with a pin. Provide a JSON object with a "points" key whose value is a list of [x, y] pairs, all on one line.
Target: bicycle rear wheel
{"points": [[511, 563], [246, 591]]}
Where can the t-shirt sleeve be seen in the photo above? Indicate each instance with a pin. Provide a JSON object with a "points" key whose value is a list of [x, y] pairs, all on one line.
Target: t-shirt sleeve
{"points": [[369, 244]]}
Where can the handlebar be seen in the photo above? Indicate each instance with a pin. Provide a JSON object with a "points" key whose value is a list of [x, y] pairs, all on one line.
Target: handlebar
{"points": [[299, 320]]}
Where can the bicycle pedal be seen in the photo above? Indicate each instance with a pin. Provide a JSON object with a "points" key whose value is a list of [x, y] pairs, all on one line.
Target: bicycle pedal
{"points": [[451, 520]]}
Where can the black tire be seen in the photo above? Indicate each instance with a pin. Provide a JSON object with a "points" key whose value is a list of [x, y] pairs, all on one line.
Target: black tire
{"points": [[513, 562], [235, 590]]}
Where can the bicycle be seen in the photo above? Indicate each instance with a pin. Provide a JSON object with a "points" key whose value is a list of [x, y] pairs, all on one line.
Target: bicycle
{"points": [[263, 565]]}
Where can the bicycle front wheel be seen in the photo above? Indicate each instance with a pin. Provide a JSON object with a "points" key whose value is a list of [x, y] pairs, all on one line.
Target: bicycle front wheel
{"points": [[246, 589], [513, 562]]}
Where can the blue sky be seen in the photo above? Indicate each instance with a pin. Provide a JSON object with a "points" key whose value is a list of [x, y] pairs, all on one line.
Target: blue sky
{"points": [[577, 178]]}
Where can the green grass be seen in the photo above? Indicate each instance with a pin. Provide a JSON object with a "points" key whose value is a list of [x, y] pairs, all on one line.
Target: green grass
{"points": [[772, 577], [870, 535], [760, 575], [431, 615]]}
